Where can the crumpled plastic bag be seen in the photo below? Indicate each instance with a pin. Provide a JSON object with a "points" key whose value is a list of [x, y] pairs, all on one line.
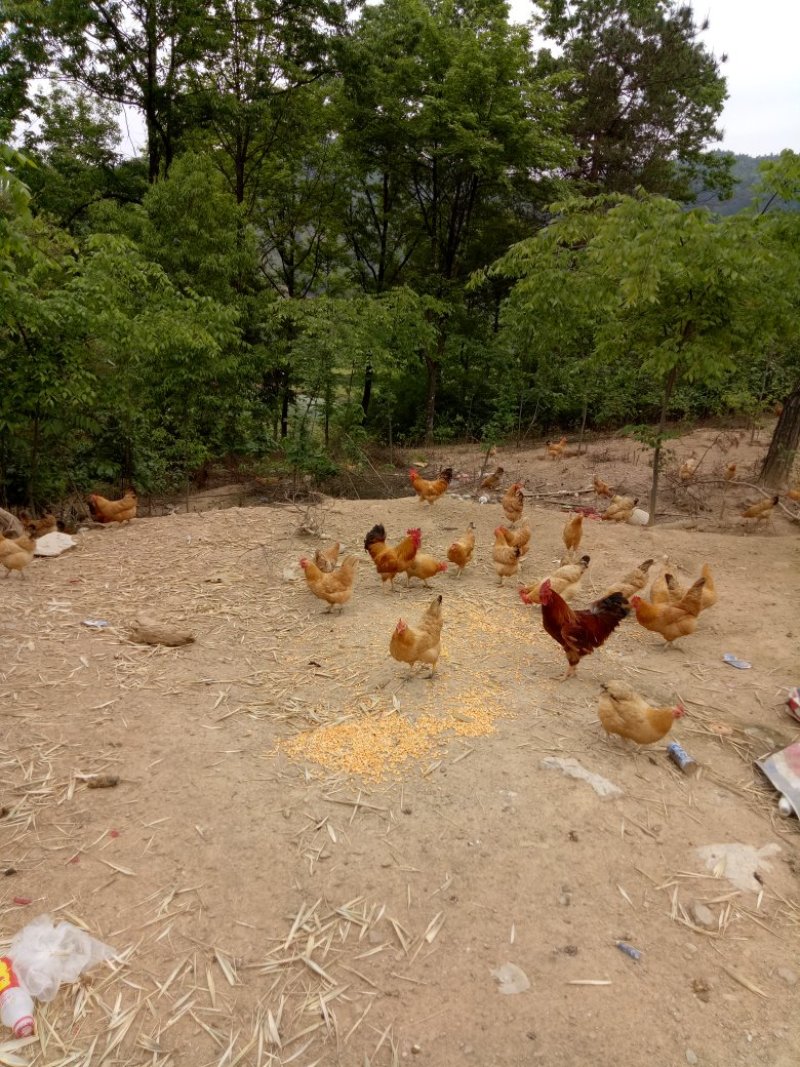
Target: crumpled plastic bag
{"points": [[46, 954], [53, 544], [573, 769]]}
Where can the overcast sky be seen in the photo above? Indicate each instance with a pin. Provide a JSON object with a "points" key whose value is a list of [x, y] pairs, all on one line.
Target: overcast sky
{"points": [[762, 114]]}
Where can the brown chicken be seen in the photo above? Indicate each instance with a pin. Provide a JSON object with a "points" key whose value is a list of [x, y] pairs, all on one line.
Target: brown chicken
{"points": [[675, 592], [564, 581], [664, 588], [492, 481], [107, 511], [390, 561], [632, 582], [423, 566], [572, 533], [37, 527], [671, 621], [688, 468], [334, 587], [326, 558], [761, 511], [430, 491], [622, 711], [420, 644], [794, 493], [556, 449], [505, 556], [513, 502], [778, 409], [602, 488], [709, 597], [460, 552], [730, 472], [519, 538], [16, 553], [620, 509], [580, 632]]}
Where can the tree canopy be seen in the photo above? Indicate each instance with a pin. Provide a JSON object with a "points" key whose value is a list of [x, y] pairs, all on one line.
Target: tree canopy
{"points": [[351, 223]]}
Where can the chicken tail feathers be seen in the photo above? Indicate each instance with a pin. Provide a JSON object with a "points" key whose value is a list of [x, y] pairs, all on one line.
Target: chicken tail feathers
{"points": [[376, 534]]}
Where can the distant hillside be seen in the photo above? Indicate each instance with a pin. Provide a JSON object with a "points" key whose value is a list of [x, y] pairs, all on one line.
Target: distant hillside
{"points": [[745, 171]]}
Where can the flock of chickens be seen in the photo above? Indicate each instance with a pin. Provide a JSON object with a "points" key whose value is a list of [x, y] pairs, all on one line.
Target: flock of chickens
{"points": [[671, 611], [20, 533]]}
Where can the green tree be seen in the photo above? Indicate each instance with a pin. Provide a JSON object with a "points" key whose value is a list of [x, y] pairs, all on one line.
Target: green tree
{"points": [[243, 101], [134, 52], [780, 182], [645, 94], [676, 294], [108, 369], [195, 230], [450, 134], [75, 143], [14, 204]]}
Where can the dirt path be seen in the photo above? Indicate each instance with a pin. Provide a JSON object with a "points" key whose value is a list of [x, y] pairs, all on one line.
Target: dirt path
{"points": [[272, 910]]}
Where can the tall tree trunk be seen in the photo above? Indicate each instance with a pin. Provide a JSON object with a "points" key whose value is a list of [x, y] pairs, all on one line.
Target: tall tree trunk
{"points": [[783, 446], [328, 400], [365, 396], [149, 92], [432, 366], [33, 473], [285, 405], [669, 385], [583, 424]]}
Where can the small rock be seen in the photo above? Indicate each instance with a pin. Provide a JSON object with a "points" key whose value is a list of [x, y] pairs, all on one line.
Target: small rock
{"points": [[788, 975], [701, 915], [416, 1049], [691, 1057], [701, 989]]}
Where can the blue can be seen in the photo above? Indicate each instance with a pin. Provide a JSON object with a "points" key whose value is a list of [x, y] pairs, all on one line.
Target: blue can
{"points": [[629, 950], [682, 758]]}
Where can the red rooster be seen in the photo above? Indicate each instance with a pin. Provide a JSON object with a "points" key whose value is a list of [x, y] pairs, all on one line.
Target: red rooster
{"points": [[580, 632]]}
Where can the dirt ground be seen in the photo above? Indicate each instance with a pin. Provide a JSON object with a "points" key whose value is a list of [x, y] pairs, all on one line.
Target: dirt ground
{"points": [[271, 909]]}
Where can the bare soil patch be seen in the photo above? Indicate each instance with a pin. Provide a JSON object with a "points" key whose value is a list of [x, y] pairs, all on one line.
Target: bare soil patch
{"points": [[273, 909]]}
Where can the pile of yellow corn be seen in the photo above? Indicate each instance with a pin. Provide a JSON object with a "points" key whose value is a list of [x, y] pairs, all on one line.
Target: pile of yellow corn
{"points": [[376, 746]]}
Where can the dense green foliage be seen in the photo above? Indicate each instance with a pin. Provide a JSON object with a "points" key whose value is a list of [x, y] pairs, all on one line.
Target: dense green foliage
{"points": [[364, 224], [666, 297]]}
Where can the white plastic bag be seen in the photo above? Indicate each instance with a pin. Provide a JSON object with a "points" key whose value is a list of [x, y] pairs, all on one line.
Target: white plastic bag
{"points": [[45, 955]]}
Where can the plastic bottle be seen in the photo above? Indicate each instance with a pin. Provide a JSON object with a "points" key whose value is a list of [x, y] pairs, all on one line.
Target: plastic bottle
{"points": [[16, 1003]]}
